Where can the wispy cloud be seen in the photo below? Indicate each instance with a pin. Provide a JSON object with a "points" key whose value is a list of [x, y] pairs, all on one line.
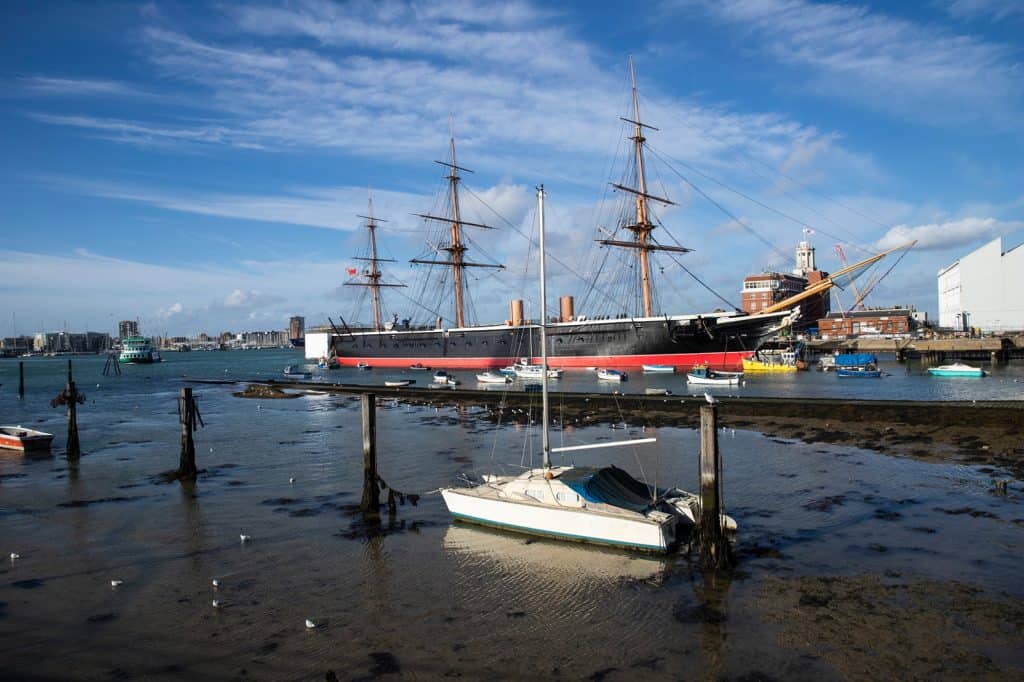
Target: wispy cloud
{"points": [[988, 10], [885, 62], [78, 87], [948, 234]]}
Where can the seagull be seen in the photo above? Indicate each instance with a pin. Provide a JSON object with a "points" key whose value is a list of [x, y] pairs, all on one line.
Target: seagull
{"points": [[291, 480], [310, 624], [216, 603], [15, 555], [244, 538], [116, 583], [710, 398], [215, 583]]}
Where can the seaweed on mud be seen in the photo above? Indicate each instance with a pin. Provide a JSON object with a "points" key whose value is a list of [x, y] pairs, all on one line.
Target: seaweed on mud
{"points": [[825, 504], [974, 513]]}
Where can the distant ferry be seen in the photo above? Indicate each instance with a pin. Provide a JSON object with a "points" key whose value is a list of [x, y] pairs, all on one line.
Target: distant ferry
{"points": [[138, 349]]}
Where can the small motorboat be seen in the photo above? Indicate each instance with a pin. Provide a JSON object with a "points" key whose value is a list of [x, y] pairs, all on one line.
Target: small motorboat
{"points": [[957, 369], [859, 371], [297, 372], [363, 366], [493, 378], [704, 375], [418, 367], [443, 377], [436, 385], [398, 383], [24, 439], [611, 375], [657, 391], [658, 369], [509, 371]]}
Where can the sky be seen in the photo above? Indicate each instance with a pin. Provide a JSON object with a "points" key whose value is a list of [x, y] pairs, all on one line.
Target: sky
{"points": [[202, 167]]}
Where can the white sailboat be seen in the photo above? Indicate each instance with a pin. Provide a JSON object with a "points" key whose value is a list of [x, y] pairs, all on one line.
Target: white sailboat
{"points": [[602, 505]]}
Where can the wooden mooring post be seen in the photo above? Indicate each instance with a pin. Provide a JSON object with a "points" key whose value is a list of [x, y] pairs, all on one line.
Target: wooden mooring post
{"points": [[714, 546], [188, 416], [72, 398], [21, 378], [371, 491]]}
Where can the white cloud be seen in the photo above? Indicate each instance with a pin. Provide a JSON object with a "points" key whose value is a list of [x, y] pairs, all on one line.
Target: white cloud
{"points": [[991, 10], [886, 62], [949, 234]]}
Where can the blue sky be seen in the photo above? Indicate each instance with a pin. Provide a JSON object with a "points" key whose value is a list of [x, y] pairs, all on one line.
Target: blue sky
{"points": [[200, 167]]}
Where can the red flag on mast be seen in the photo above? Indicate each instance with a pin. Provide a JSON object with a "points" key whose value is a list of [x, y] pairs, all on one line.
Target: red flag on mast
{"points": [[351, 271]]}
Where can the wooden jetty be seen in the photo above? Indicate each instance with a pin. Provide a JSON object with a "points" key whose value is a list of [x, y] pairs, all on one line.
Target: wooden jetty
{"points": [[993, 348]]}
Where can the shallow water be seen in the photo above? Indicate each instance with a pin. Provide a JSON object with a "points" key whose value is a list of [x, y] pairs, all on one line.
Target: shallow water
{"points": [[423, 596]]}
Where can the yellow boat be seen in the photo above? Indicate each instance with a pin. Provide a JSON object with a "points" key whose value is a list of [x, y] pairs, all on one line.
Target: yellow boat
{"points": [[774, 365]]}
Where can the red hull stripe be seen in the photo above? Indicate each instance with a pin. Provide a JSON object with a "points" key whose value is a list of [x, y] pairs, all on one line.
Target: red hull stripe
{"points": [[717, 360], [11, 443]]}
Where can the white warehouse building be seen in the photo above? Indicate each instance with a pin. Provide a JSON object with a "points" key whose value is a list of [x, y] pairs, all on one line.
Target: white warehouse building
{"points": [[984, 290]]}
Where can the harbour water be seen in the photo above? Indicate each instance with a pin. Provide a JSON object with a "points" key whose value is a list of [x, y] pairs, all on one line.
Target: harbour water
{"points": [[930, 551]]}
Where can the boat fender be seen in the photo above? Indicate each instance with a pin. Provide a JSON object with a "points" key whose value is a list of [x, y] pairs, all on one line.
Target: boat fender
{"points": [[548, 475]]}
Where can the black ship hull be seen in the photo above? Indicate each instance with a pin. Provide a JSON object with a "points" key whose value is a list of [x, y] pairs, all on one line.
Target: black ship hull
{"points": [[721, 341]]}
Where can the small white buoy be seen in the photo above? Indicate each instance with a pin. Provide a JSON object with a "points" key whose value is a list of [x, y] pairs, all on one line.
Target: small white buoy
{"points": [[215, 583], [97, 385], [310, 624], [211, 449], [116, 583], [216, 603], [15, 555], [259, 407], [244, 538], [291, 480]]}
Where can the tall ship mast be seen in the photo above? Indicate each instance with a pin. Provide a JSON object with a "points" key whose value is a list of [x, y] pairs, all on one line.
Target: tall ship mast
{"points": [[455, 247], [642, 227], [372, 274]]}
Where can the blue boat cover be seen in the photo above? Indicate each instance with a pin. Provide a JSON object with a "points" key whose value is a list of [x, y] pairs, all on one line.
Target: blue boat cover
{"points": [[609, 485], [855, 359]]}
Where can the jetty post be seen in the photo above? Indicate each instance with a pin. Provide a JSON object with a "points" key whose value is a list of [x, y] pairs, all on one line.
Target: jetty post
{"points": [[21, 378], [714, 548], [72, 398], [371, 492], [187, 414]]}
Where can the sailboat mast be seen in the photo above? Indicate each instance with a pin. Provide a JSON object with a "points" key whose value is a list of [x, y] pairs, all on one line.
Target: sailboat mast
{"points": [[456, 248], [643, 227], [374, 275], [545, 441]]}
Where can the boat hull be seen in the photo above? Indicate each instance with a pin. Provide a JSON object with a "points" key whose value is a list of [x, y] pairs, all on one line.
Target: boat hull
{"points": [[31, 442], [561, 523], [627, 343]]}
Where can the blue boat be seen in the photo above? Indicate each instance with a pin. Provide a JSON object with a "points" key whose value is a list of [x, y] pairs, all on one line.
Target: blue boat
{"points": [[861, 371]]}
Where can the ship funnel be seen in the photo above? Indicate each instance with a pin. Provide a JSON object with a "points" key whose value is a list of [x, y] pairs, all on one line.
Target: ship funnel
{"points": [[566, 309], [516, 308]]}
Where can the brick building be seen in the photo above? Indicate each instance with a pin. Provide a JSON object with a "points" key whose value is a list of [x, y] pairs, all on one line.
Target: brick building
{"points": [[872, 322], [769, 288]]}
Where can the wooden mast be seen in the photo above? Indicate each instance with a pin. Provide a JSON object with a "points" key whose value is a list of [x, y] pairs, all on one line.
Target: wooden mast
{"points": [[456, 247], [643, 226], [373, 275]]}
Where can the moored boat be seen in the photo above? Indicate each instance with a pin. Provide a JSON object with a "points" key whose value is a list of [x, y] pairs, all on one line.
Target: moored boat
{"points": [[444, 378], [363, 366], [658, 369], [24, 439], [525, 369], [398, 383], [862, 372], [418, 367], [702, 374], [957, 369], [611, 375], [493, 378]]}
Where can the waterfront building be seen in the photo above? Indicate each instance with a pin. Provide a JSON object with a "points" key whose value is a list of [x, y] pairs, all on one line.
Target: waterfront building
{"points": [[896, 321], [768, 288], [982, 290], [126, 328], [297, 330]]}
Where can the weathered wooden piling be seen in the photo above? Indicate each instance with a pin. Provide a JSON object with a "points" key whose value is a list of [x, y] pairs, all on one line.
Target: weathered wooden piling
{"points": [[187, 417], [714, 547], [371, 491], [21, 378], [70, 397]]}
